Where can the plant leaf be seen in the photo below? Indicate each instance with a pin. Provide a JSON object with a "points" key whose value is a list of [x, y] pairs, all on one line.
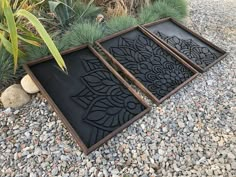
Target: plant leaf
{"points": [[32, 42], [8, 46], [62, 10], [45, 36], [12, 31]]}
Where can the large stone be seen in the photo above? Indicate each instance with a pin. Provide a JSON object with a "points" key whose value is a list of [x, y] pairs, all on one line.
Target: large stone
{"points": [[14, 96], [28, 85]]}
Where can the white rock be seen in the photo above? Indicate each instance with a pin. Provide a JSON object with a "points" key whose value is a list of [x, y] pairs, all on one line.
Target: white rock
{"points": [[181, 124], [33, 175], [28, 85], [54, 171], [7, 111], [115, 172], [105, 172], [14, 96], [161, 152], [233, 165], [231, 155]]}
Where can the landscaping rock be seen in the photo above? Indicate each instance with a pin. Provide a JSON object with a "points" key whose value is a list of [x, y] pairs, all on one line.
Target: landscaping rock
{"points": [[14, 96], [28, 85]]}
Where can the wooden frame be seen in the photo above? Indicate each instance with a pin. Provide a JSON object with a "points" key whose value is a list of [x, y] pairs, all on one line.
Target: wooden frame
{"points": [[63, 118], [210, 44], [131, 76]]}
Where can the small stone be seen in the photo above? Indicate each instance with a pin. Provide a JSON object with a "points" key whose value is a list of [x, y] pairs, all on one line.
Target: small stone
{"points": [[7, 111], [44, 164], [144, 157], [233, 165], [55, 171], [16, 112], [181, 124], [115, 172], [176, 168], [64, 157], [202, 160], [100, 174], [215, 138], [165, 129], [221, 142], [231, 155], [37, 151], [233, 110], [27, 134], [228, 167], [161, 152], [210, 82], [28, 85], [92, 170], [105, 172], [89, 164], [99, 18], [33, 175], [14, 96]]}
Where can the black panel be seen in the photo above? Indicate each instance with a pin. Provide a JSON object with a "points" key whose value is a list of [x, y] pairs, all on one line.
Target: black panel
{"points": [[93, 100], [152, 65], [194, 49]]}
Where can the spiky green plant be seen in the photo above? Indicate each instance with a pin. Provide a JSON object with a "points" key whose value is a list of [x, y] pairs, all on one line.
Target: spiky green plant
{"points": [[13, 30], [86, 11], [179, 5], [66, 11], [81, 33], [119, 23], [176, 9], [7, 77], [35, 53]]}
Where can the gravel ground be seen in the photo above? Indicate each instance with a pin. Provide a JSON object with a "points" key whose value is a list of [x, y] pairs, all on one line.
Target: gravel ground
{"points": [[191, 134]]}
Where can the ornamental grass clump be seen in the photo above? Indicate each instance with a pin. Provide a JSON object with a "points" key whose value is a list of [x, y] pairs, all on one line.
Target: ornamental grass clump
{"points": [[162, 9], [119, 23], [82, 33]]}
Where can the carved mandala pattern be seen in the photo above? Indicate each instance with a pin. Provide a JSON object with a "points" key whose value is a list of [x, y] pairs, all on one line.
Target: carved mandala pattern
{"points": [[202, 56], [107, 103], [157, 70]]}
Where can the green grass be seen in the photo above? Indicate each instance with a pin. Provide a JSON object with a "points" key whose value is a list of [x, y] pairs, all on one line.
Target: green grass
{"points": [[119, 23], [34, 52], [7, 75], [176, 9], [83, 11], [179, 5], [83, 33]]}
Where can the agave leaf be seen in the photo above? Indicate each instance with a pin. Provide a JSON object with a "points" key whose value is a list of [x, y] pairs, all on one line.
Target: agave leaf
{"points": [[63, 11], [12, 31], [89, 4], [45, 36]]}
